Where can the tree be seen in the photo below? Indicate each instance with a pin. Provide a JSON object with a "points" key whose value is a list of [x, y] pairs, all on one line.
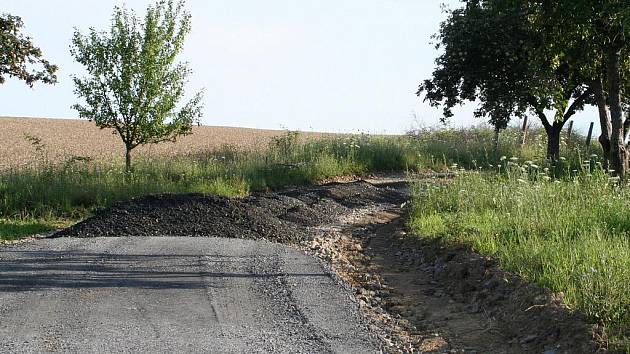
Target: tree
{"points": [[493, 54], [19, 57], [133, 84], [601, 30]]}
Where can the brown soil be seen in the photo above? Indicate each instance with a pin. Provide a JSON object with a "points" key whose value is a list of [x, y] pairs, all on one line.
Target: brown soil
{"points": [[64, 138]]}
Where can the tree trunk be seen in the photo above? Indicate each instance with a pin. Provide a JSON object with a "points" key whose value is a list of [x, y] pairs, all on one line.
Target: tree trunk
{"points": [[604, 121], [553, 131], [618, 151], [553, 140], [127, 160], [496, 139]]}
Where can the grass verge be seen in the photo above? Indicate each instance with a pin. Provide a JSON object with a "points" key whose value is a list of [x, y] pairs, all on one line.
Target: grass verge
{"points": [[570, 235]]}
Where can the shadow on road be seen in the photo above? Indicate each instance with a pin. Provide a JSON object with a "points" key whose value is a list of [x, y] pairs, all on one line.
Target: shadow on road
{"points": [[38, 270]]}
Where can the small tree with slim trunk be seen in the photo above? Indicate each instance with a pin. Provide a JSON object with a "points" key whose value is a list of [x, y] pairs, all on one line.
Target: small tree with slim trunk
{"points": [[133, 84]]}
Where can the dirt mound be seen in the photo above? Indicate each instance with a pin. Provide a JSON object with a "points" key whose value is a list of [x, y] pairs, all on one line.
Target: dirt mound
{"points": [[281, 217]]}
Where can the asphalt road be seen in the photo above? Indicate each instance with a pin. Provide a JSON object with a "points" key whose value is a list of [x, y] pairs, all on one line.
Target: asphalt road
{"points": [[172, 294]]}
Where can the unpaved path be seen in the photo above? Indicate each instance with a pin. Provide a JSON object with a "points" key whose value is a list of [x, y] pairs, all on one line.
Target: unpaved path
{"points": [[165, 295], [425, 297]]}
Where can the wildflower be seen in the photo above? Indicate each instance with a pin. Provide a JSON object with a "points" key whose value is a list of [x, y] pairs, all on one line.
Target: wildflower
{"points": [[521, 180], [594, 156], [574, 171], [562, 158], [533, 166], [503, 158], [547, 178], [546, 169], [528, 162], [513, 158]]}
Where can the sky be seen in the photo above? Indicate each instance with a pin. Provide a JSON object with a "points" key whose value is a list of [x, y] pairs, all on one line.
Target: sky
{"points": [[310, 65]]}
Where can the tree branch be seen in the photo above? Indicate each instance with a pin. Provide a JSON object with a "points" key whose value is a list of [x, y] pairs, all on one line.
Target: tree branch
{"points": [[533, 102], [577, 103]]}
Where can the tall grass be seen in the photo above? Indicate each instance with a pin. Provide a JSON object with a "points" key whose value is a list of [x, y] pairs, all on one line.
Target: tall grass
{"points": [[472, 148], [43, 193], [571, 235]]}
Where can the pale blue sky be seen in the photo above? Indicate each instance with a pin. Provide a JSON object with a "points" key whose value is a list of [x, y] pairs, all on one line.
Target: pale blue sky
{"points": [[323, 65]]}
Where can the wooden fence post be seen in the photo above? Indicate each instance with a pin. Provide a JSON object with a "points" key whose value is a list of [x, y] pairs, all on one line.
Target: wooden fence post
{"points": [[569, 130], [524, 130], [590, 135]]}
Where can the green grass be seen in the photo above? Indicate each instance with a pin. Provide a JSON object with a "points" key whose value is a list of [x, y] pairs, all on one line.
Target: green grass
{"points": [[15, 229], [41, 193], [571, 235], [472, 148]]}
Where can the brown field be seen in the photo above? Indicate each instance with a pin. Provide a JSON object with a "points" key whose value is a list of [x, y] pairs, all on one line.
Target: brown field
{"points": [[64, 138]]}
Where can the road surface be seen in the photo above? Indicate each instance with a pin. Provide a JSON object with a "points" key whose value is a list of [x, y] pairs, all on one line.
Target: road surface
{"points": [[173, 294]]}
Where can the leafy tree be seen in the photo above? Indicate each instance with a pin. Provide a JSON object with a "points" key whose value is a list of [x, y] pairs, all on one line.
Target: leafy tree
{"points": [[492, 53], [133, 84], [601, 29], [19, 57]]}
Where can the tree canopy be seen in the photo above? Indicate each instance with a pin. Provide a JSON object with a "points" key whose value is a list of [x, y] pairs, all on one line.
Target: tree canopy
{"points": [[19, 57], [515, 58]]}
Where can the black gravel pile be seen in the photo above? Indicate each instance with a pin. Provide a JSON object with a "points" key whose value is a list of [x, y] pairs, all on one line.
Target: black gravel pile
{"points": [[282, 217]]}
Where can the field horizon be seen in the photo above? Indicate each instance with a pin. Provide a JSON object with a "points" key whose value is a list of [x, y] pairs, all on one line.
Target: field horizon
{"points": [[28, 140]]}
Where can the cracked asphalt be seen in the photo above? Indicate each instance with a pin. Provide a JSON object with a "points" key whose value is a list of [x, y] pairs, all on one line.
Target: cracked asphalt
{"points": [[173, 294]]}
